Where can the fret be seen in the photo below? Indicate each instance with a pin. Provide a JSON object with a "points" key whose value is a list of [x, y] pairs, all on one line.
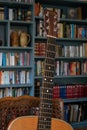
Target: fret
{"points": [[51, 44], [45, 120], [44, 104], [44, 112], [48, 69], [48, 74], [48, 65], [48, 80], [49, 61], [50, 58], [46, 89], [50, 54], [50, 51], [46, 96], [47, 84]]}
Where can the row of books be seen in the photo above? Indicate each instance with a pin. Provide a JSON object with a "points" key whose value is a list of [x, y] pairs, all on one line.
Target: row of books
{"points": [[39, 67], [39, 49], [70, 91], [14, 59], [75, 112], [71, 50], [15, 92], [25, 1], [63, 30], [70, 68], [68, 12], [63, 50], [14, 77], [71, 31], [15, 13]]}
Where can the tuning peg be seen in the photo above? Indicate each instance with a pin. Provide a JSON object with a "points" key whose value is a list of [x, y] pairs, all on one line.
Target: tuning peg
{"points": [[55, 23], [47, 20], [47, 27], [47, 14]]}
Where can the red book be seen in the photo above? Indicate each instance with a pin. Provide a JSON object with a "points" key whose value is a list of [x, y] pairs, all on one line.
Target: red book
{"points": [[76, 91], [56, 92], [81, 90], [69, 91]]}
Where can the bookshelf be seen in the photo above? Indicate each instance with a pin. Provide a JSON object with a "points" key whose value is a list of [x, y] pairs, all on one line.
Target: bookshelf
{"points": [[70, 80], [16, 66]]}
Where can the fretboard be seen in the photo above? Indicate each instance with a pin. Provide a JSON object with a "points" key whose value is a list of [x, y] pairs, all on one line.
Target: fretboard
{"points": [[45, 113]]}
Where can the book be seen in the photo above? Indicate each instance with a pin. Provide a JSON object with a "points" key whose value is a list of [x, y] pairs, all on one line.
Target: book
{"points": [[1, 13], [10, 14], [4, 59], [72, 68], [6, 15], [60, 30], [75, 112], [78, 68], [57, 68], [27, 77], [66, 112], [1, 93], [79, 113], [71, 113], [12, 59], [1, 58], [79, 13], [39, 71]]}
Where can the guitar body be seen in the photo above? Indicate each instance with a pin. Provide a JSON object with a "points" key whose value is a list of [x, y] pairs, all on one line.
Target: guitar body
{"points": [[44, 121], [31, 123]]}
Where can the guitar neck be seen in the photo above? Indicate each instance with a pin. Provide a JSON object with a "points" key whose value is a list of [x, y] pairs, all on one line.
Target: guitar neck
{"points": [[47, 87], [45, 112]]}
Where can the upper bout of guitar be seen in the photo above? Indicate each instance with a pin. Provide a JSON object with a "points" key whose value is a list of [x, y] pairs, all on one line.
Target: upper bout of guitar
{"points": [[24, 123], [58, 124]]}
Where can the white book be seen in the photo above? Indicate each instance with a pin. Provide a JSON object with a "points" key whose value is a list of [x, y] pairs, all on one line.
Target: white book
{"points": [[38, 67], [0, 58], [6, 92], [81, 51], [72, 51], [27, 77], [22, 77], [10, 14], [57, 68], [6, 77], [77, 51], [10, 91], [75, 112], [12, 59]]}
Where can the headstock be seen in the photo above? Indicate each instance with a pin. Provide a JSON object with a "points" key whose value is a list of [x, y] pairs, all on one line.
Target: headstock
{"points": [[50, 23]]}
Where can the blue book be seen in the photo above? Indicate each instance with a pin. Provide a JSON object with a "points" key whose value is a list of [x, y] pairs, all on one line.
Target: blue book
{"points": [[6, 12], [65, 112], [4, 59]]}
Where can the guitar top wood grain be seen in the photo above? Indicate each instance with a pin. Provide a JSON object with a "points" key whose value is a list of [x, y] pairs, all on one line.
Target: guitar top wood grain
{"points": [[31, 122]]}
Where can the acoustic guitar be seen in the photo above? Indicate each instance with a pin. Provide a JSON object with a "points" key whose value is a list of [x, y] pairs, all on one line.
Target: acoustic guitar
{"points": [[44, 120]]}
